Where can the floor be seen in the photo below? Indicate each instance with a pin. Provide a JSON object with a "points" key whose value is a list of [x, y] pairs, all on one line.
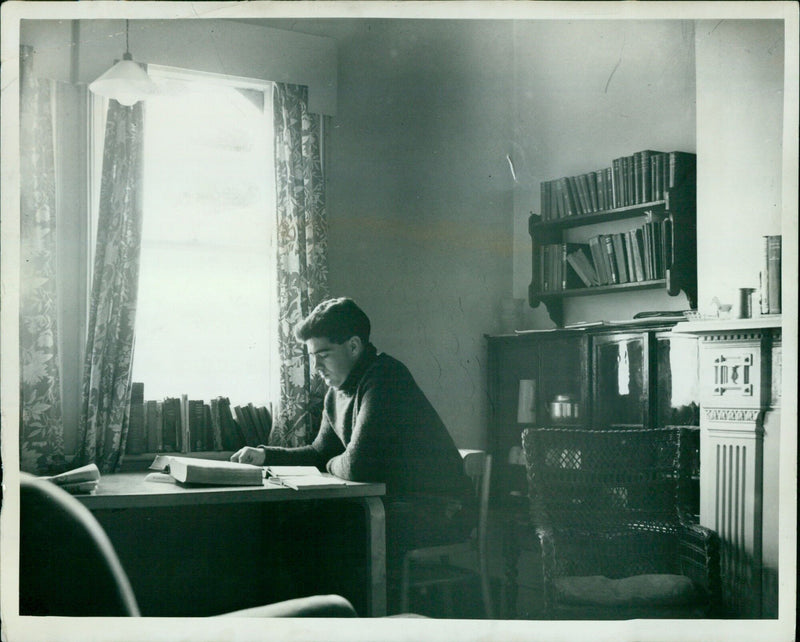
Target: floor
{"points": [[467, 602]]}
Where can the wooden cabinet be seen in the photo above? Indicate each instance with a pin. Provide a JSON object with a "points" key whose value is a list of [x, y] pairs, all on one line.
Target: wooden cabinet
{"points": [[557, 364], [621, 376]]}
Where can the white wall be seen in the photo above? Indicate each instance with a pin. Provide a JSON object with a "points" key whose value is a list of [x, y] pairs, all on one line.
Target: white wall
{"points": [[587, 92], [740, 70], [739, 145], [419, 200]]}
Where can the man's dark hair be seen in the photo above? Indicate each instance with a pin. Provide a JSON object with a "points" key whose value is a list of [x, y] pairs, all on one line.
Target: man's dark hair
{"points": [[336, 320]]}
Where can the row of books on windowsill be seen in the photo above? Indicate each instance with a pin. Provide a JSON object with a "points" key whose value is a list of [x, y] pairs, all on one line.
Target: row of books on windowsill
{"points": [[643, 177], [183, 425], [637, 255]]}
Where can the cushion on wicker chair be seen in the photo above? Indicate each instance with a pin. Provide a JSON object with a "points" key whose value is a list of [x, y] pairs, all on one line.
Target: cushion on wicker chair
{"points": [[639, 590]]}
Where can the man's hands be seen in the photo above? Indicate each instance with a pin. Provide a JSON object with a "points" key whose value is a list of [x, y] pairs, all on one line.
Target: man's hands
{"points": [[249, 455]]}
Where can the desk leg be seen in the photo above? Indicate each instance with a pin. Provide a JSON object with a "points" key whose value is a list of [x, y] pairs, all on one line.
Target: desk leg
{"points": [[375, 540]]}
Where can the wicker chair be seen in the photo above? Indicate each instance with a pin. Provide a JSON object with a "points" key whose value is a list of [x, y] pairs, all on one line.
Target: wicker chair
{"points": [[605, 509]]}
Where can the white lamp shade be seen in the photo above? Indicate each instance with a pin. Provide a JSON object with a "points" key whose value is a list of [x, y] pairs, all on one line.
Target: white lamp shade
{"points": [[126, 82]]}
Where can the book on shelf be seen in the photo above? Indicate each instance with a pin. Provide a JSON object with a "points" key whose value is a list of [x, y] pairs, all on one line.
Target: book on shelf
{"points": [[582, 267], [666, 245], [257, 419], [637, 241], [642, 177], [83, 479], [302, 477], [644, 173], [608, 257], [628, 164], [197, 425], [186, 439], [136, 441], [616, 182], [763, 277], [599, 262], [190, 470], [637, 177], [171, 424], [246, 425], [591, 179], [619, 257], [232, 434], [264, 416], [770, 276], [152, 413], [215, 422], [678, 168], [544, 200], [653, 181], [639, 254], [634, 256], [210, 444], [647, 249], [566, 202]]}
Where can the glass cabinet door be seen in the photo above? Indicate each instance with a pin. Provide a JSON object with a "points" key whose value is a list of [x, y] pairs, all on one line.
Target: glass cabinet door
{"points": [[563, 388], [677, 383], [511, 360], [620, 363], [677, 403]]}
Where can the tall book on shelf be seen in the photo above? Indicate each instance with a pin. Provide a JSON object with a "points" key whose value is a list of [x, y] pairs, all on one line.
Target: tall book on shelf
{"points": [[136, 442], [197, 425], [153, 422], [770, 276], [171, 424]]}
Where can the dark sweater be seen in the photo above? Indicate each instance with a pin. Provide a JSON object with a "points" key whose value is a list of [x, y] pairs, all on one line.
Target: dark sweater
{"points": [[379, 427]]}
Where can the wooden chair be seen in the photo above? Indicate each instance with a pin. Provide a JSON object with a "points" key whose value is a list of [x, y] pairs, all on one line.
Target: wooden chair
{"points": [[431, 567], [606, 510]]}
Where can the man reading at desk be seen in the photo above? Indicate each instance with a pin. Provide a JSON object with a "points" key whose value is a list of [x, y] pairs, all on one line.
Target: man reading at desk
{"points": [[378, 426]]}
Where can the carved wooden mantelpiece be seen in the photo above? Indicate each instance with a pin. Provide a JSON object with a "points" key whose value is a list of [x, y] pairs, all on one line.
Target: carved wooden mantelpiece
{"points": [[739, 365]]}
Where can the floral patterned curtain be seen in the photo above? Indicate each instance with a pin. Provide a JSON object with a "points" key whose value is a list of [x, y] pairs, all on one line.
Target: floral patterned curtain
{"points": [[106, 388], [302, 259], [41, 429]]}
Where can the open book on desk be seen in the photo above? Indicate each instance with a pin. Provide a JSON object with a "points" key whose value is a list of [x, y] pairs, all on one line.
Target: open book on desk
{"points": [[302, 477], [191, 470]]}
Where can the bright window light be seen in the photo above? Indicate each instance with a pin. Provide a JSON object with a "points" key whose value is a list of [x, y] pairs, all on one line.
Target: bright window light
{"points": [[206, 322]]}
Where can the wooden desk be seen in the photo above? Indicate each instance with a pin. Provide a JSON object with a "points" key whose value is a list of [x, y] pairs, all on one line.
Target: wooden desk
{"points": [[130, 492]]}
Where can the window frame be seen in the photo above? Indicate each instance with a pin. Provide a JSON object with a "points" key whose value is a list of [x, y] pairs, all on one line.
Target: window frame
{"points": [[97, 107]]}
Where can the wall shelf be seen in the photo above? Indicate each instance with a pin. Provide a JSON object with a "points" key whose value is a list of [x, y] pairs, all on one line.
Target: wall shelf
{"points": [[600, 289], [579, 220], [667, 260]]}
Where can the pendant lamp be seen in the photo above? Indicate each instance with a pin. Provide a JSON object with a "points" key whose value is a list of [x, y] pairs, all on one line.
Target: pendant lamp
{"points": [[126, 82]]}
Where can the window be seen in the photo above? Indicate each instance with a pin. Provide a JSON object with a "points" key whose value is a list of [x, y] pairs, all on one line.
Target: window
{"points": [[206, 321]]}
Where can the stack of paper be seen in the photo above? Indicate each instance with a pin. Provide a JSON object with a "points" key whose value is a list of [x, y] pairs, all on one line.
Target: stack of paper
{"points": [[302, 477], [77, 481]]}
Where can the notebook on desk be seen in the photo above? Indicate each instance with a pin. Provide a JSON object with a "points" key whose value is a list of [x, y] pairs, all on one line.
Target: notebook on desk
{"points": [[301, 477]]}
